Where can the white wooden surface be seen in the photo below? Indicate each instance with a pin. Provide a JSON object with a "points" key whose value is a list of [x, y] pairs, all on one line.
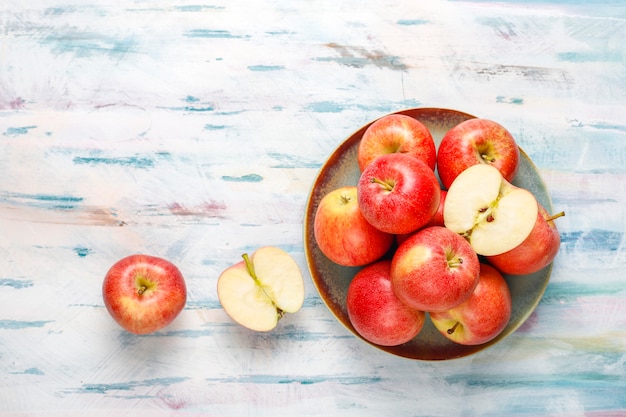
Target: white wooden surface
{"points": [[194, 130]]}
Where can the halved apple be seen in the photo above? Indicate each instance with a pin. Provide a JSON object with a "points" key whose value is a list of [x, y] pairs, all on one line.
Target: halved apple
{"points": [[258, 291], [491, 213]]}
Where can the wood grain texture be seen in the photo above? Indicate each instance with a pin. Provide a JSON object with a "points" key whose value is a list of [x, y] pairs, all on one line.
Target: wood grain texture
{"points": [[194, 130]]}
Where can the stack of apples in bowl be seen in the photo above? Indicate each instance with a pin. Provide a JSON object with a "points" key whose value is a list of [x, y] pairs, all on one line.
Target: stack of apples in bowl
{"points": [[428, 233]]}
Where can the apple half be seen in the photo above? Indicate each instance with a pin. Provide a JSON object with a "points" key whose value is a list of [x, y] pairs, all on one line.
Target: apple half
{"points": [[260, 289], [491, 213]]}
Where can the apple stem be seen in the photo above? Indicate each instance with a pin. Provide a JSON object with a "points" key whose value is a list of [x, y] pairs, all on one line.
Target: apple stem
{"points": [[385, 185], [456, 262], [453, 328], [555, 216], [249, 266], [141, 290]]}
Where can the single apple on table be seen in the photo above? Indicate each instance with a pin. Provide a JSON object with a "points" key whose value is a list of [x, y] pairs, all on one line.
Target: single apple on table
{"points": [[397, 133], [374, 310], [398, 193], [259, 290], [492, 214], [435, 269], [343, 234], [483, 316], [144, 293], [477, 141], [537, 251]]}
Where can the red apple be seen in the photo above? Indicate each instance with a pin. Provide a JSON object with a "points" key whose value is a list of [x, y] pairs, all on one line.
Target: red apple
{"points": [[483, 316], [144, 293], [397, 133], [398, 193], [374, 310], [537, 251], [343, 234], [434, 270], [477, 141]]}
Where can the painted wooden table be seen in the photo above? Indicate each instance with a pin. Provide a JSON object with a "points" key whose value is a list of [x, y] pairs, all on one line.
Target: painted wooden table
{"points": [[194, 130]]}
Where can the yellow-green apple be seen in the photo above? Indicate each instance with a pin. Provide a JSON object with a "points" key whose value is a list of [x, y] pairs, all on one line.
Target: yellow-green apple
{"points": [[434, 270], [397, 133], [343, 234], [536, 251], [259, 290], [144, 293], [477, 141], [374, 310], [483, 316], [398, 193], [491, 213]]}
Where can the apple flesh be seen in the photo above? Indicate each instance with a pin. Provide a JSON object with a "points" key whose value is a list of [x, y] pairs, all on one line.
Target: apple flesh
{"points": [[435, 269], [397, 133], [483, 316], [259, 290], [343, 234], [477, 141], [491, 213], [144, 293], [536, 252], [398, 193], [374, 310]]}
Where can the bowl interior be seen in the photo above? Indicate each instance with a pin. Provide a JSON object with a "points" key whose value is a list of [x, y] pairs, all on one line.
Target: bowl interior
{"points": [[332, 280]]}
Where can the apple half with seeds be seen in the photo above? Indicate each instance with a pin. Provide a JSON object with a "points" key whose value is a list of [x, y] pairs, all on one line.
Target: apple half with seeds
{"points": [[494, 215], [259, 290]]}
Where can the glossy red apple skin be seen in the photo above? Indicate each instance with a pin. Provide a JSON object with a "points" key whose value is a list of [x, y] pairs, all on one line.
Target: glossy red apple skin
{"points": [[437, 219], [398, 193], [374, 310], [477, 141], [536, 252], [343, 234], [148, 310], [483, 316], [397, 133], [435, 269]]}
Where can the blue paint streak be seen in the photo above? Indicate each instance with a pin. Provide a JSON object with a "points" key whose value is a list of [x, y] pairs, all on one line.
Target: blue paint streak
{"points": [[191, 99], [197, 8], [290, 161], [85, 44], [82, 251], [214, 127], [304, 380], [15, 283], [412, 22], [261, 68], [29, 371], [243, 178], [326, 107], [47, 201], [128, 386], [17, 325], [579, 57], [506, 100], [17, 131], [211, 34], [134, 161]]}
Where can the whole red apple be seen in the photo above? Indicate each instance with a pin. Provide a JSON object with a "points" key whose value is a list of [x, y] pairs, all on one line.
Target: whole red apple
{"points": [[435, 269], [477, 141], [374, 310], [483, 316], [343, 234], [144, 293], [398, 193], [397, 133], [537, 251]]}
